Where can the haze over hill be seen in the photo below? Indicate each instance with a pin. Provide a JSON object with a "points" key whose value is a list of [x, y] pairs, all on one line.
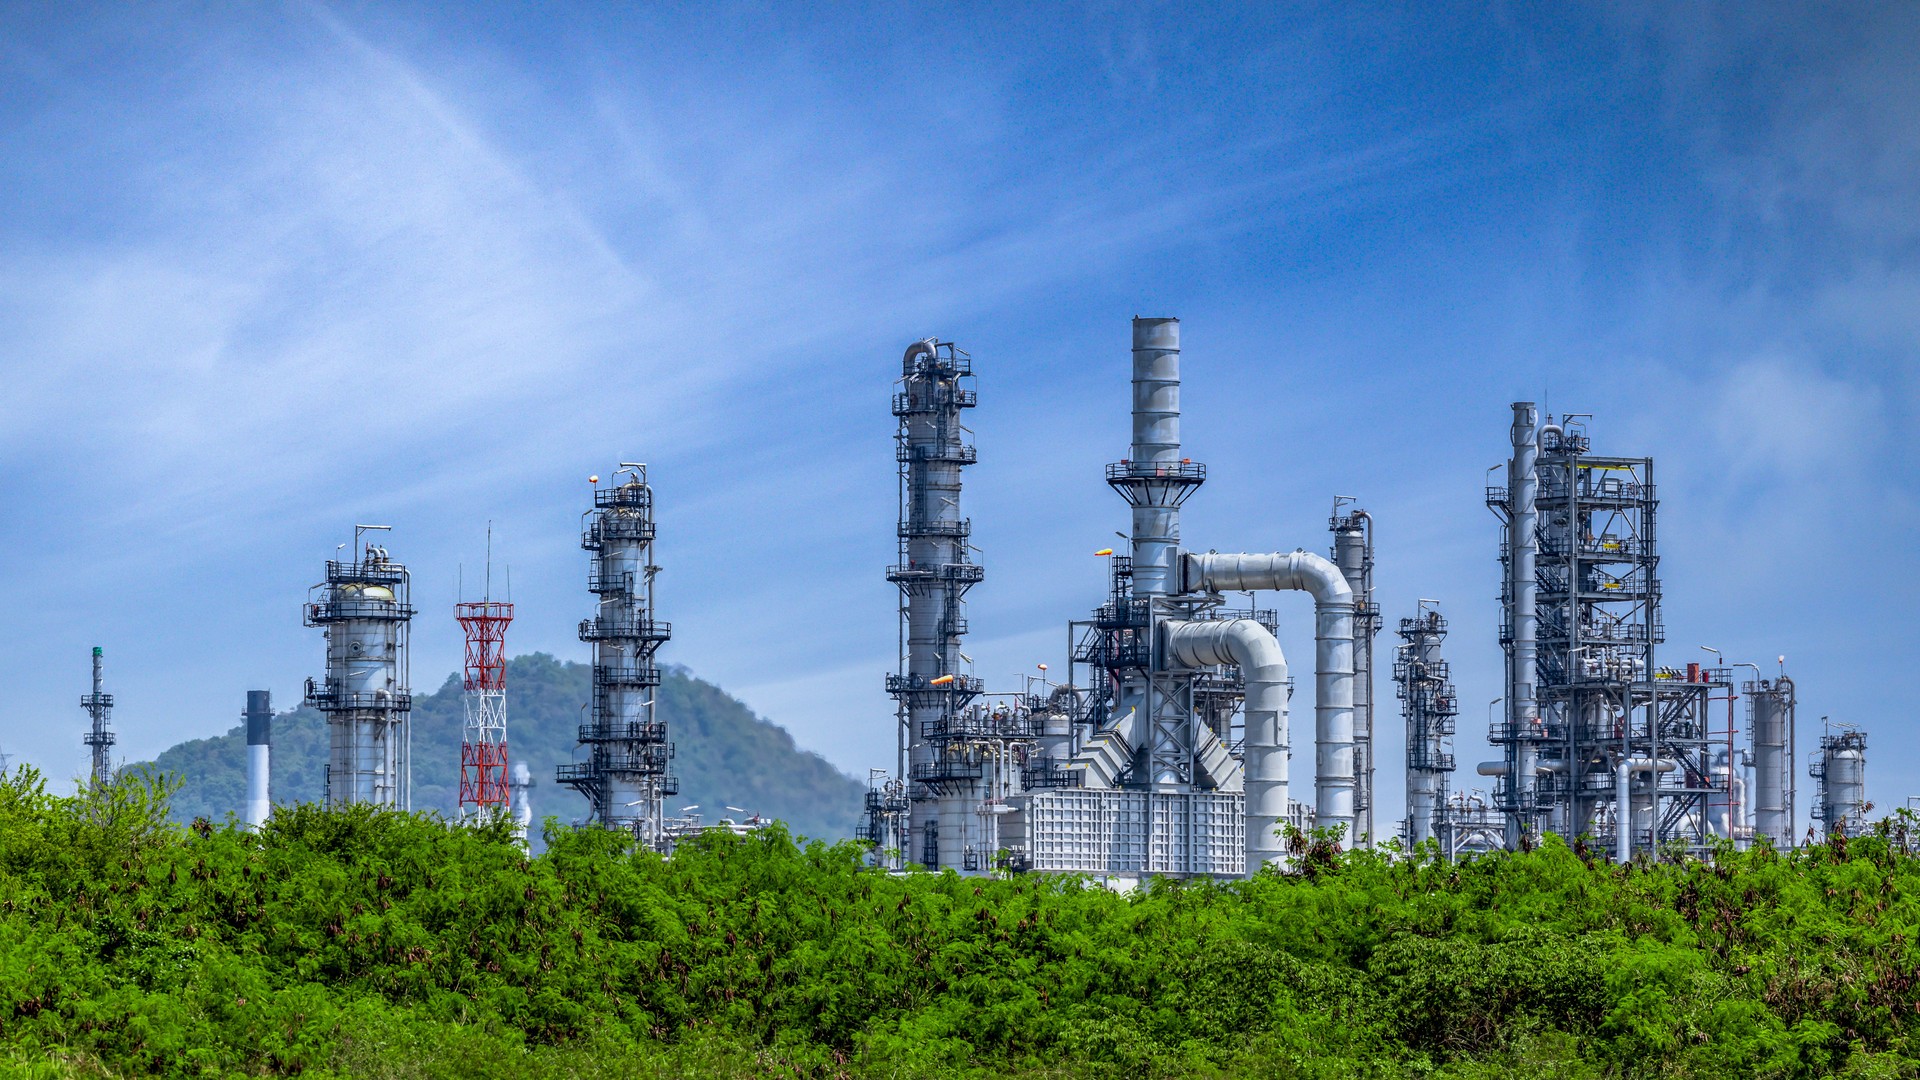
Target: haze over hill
{"points": [[724, 754]]}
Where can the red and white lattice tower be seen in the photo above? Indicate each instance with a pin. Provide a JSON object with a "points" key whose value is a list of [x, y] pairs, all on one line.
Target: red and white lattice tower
{"points": [[483, 747]]}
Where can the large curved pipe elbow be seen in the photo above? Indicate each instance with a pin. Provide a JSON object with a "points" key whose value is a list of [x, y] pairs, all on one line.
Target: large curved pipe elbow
{"points": [[915, 351], [1250, 647], [1302, 571], [1333, 617]]}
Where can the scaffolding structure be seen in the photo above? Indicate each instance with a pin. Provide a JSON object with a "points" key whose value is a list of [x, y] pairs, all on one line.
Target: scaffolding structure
{"points": [[1597, 739], [363, 608], [627, 774], [99, 738], [485, 790], [1424, 686]]}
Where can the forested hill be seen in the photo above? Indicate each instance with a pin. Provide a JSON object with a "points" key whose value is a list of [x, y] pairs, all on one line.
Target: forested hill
{"points": [[725, 755]]}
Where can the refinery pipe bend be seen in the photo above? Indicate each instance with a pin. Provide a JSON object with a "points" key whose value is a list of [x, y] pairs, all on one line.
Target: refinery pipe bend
{"points": [[1250, 647], [1302, 571]]}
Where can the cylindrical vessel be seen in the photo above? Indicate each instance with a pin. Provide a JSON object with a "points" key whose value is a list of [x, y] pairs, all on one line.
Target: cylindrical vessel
{"points": [[1846, 784], [363, 609], [1770, 704]]}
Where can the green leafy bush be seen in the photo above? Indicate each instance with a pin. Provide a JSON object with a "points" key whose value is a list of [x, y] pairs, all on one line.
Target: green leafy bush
{"points": [[358, 943]]}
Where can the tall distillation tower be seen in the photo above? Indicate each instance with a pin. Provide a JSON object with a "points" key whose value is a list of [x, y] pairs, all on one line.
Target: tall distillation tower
{"points": [[483, 743], [1597, 740], [1426, 695], [626, 777], [1771, 704], [1353, 554], [932, 690], [364, 609], [99, 737]]}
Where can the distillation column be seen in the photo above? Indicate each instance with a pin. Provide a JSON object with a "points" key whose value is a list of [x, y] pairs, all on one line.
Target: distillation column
{"points": [[626, 777], [1520, 735], [99, 736], [1771, 705], [1841, 770], [259, 717], [933, 573], [1426, 693], [1353, 554], [364, 611]]}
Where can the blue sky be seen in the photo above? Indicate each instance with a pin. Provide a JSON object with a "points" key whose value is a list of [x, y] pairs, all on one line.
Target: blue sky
{"points": [[267, 272]]}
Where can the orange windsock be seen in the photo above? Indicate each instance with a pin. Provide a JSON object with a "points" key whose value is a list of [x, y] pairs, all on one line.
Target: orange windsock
{"points": [[1104, 551], [941, 681]]}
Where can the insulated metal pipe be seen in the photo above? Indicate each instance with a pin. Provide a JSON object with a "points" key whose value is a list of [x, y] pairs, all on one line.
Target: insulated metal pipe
{"points": [[1332, 659], [1623, 816], [259, 756], [1250, 647]]}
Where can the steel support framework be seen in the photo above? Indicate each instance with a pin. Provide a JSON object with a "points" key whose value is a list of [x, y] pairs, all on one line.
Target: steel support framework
{"points": [[484, 788]]}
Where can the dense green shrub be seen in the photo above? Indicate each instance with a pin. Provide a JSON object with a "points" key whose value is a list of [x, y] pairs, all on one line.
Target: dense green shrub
{"points": [[379, 944]]}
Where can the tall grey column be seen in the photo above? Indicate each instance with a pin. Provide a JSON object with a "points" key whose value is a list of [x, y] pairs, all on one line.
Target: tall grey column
{"points": [[1353, 554], [1772, 707], [259, 756], [1523, 709], [932, 688], [363, 607], [627, 774], [1155, 480], [99, 736]]}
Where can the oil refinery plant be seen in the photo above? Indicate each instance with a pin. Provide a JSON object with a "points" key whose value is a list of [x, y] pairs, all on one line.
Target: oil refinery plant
{"points": [[1168, 748]]}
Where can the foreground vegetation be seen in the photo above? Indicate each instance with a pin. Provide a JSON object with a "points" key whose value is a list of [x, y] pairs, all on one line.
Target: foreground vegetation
{"points": [[368, 944]]}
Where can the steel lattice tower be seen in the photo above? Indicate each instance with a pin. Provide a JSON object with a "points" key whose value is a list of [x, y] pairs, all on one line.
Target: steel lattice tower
{"points": [[483, 745]]}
